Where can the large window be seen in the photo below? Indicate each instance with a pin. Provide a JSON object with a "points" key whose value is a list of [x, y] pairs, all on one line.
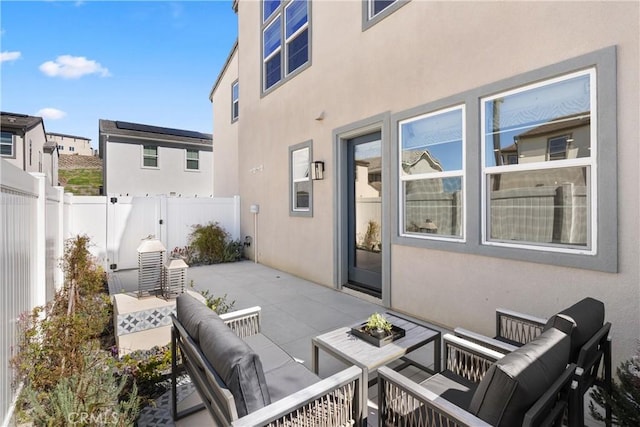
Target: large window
{"points": [[193, 159], [150, 156], [285, 39], [524, 168], [300, 179], [6, 145], [235, 106], [543, 195], [431, 169]]}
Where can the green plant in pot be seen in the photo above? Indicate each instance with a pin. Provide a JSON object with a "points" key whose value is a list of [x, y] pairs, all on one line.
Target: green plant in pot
{"points": [[378, 326]]}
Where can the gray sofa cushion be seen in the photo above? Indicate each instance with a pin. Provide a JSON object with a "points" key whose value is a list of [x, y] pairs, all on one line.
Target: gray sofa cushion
{"points": [[288, 379], [587, 316], [191, 312], [515, 382], [271, 355], [237, 365]]}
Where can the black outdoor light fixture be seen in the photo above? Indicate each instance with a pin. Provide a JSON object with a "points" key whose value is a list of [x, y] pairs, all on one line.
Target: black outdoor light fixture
{"points": [[317, 170]]}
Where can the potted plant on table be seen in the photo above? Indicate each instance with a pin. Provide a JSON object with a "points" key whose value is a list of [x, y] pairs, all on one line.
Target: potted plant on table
{"points": [[378, 326]]}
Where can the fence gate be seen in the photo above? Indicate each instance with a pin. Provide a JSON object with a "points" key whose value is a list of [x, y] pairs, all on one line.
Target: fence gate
{"points": [[129, 220]]}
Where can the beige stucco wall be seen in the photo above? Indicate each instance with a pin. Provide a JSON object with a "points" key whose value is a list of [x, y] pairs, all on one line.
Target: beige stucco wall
{"points": [[170, 176], [81, 146], [225, 132], [424, 52]]}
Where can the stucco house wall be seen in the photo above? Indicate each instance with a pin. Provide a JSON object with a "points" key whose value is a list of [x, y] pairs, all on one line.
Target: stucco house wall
{"points": [[225, 131], [425, 53], [124, 172], [70, 144]]}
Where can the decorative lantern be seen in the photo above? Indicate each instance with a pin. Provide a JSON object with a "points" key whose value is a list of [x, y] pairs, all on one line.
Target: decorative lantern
{"points": [[174, 277], [151, 254]]}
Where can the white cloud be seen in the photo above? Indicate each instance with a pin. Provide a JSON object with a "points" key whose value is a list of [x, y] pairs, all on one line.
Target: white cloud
{"points": [[73, 67], [9, 56], [51, 113]]}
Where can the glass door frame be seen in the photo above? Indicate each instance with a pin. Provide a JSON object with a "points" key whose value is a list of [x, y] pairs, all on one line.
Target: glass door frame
{"points": [[340, 136]]}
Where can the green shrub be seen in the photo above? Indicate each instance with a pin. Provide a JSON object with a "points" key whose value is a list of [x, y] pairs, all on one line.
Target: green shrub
{"points": [[625, 395], [52, 335], [148, 370], [211, 244], [89, 396]]}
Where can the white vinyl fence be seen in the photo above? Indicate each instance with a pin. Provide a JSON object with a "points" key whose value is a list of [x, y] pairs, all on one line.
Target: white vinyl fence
{"points": [[30, 246], [35, 219]]}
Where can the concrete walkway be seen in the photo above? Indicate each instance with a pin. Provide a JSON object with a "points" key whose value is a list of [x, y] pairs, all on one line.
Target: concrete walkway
{"points": [[294, 310]]}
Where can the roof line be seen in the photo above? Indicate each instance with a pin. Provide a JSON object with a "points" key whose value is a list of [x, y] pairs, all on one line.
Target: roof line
{"points": [[224, 69]]}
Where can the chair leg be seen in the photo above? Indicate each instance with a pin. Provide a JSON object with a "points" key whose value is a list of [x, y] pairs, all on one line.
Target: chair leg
{"points": [[174, 386], [608, 381]]}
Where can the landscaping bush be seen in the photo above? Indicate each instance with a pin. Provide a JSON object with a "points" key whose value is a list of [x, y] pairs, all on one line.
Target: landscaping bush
{"points": [[211, 244], [68, 378], [625, 395]]}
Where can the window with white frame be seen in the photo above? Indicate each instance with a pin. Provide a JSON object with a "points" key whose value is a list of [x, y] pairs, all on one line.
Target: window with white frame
{"points": [[285, 39], [235, 106], [193, 159], [376, 7], [150, 156], [6, 145], [544, 196], [300, 179], [431, 168]]}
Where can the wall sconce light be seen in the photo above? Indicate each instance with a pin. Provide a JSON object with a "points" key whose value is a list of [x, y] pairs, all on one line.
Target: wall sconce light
{"points": [[317, 170]]}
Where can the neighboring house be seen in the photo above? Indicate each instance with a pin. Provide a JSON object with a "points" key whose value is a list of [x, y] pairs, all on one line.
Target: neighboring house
{"points": [[477, 221], [24, 144], [143, 160], [71, 144]]}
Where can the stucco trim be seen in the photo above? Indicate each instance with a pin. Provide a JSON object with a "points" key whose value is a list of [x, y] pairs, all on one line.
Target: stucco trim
{"points": [[340, 136]]}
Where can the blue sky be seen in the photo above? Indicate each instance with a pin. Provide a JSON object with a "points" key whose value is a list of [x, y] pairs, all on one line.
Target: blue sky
{"points": [[151, 62]]}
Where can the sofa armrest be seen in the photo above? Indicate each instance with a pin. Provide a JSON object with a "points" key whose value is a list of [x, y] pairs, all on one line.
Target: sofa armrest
{"points": [[485, 341], [332, 401], [404, 402], [517, 328], [244, 322], [468, 359]]}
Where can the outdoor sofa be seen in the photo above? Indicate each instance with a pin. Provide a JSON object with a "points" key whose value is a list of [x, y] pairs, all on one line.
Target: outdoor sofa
{"points": [[244, 379], [590, 346], [481, 387]]}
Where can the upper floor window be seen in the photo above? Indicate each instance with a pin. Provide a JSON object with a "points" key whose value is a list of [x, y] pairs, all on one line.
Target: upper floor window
{"points": [[432, 174], [373, 11], [6, 145], [150, 156], [539, 165], [61, 147], [377, 6], [193, 159], [72, 148], [235, 92], [285, 39], [300, 179]]}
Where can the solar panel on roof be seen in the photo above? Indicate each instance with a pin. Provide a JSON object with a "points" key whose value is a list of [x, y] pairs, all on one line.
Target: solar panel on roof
{"points": [[157, 129]]}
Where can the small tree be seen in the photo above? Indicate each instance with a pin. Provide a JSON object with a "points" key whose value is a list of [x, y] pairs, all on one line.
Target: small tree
{"points": [[625, 395]]}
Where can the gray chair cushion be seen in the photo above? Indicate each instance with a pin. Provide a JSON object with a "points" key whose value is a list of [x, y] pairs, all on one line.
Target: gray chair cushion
{"points": [[237, 365], [587, 316], [190, 312], [514, 383], [271, 356], [288, 379], [452, 387]]}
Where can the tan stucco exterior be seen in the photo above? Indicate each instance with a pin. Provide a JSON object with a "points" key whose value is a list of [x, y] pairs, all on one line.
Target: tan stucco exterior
{"points": [[225, 133], [422, 53]]}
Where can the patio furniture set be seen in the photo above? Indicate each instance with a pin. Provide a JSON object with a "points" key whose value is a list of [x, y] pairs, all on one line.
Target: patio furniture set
{"points": [[533, 373]]}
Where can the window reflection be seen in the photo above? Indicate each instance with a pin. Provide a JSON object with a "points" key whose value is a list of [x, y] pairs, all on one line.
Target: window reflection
{"points": [[431, 170], [518, 126]]}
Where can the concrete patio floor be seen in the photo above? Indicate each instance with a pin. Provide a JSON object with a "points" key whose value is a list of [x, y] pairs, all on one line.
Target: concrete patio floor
{"points": [[294, 311]]}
